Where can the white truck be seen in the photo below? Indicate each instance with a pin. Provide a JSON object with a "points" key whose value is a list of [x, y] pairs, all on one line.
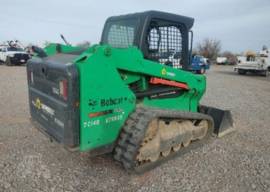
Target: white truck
{"points": [[254, 63], [222, 60], [13, 55]]}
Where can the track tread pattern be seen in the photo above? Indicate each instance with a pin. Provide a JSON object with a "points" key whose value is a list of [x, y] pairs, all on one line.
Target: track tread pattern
{"points": [[133, 132]]}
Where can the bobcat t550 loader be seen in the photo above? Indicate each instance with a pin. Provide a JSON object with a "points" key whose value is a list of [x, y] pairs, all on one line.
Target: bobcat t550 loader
{"points": [[132, 94]]}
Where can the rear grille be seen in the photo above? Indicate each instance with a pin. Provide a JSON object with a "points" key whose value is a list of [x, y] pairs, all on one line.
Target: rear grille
{"points": [[53, 96], [20, 56]]}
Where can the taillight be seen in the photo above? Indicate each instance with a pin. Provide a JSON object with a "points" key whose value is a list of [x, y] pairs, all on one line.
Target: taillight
{"points": [[63, 87]]}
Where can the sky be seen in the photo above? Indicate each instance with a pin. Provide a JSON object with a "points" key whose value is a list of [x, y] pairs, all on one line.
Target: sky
{"points": [[240, 25]]}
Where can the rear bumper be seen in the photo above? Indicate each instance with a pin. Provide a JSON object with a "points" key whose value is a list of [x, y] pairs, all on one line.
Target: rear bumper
{"points": [[249, 69], [40, 128]]}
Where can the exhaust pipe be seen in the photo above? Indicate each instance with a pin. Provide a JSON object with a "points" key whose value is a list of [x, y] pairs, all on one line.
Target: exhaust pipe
{"points": [[223, 122]]}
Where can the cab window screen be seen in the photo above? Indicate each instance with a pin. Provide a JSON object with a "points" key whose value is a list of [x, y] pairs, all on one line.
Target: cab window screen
{"points": [[165, 44], [120, 34]]}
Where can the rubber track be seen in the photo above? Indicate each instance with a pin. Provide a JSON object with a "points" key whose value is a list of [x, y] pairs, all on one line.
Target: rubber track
{"points": [[134, 131]]}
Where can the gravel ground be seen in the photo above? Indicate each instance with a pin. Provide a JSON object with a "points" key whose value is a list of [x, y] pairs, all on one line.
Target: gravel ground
{"points": [[238, 162]]}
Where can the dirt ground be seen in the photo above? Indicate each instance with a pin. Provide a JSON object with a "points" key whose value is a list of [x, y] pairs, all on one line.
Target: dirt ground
{"points": [[238, 162]]}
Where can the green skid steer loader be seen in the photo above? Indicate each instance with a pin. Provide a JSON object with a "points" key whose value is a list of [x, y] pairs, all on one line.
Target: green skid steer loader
{"points": [[132, 94]]}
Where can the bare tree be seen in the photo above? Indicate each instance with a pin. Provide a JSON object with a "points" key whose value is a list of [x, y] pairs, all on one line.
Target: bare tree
{"points": [[209, 48], [264, 48], [195, 52]]}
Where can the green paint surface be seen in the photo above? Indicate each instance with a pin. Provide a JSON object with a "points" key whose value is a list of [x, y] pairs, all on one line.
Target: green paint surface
{"points": [[106, 100]]}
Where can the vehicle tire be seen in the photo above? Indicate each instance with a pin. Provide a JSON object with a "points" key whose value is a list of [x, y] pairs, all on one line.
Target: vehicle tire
{"points": [[266, 73], [8, 62], [202, 71], [242, 71]]}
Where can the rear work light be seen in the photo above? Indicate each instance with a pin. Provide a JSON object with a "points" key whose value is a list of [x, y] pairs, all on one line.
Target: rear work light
{"points": [[63, 87]]}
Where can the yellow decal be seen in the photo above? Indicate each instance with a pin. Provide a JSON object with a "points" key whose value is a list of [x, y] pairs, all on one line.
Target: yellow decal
{"points": [[163, 71], [38, 103]]}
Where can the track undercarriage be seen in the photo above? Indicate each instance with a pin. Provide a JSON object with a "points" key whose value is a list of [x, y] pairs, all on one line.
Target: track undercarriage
{"points": [[151, 136]]}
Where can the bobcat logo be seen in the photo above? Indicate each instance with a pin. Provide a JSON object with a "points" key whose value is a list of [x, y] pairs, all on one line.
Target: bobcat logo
{"points": [[92, 102], [37, 103]]}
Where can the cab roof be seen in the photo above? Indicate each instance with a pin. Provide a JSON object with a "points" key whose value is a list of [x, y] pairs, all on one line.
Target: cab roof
{"points": [[143, 16]]}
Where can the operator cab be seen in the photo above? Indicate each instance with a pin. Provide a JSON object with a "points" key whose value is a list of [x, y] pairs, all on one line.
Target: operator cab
{"points": [[162, 37]]}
